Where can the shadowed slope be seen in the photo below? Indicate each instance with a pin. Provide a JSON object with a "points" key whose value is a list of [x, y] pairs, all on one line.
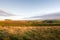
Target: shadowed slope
{"points": [[54, 16], [3, 13]]}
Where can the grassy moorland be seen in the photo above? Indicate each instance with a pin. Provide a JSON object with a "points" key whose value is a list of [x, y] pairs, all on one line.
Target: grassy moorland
{"points": [[29, 30], [30, 23], [30, 33]]}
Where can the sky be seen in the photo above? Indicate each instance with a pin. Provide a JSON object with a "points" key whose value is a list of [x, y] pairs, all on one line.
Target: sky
{"points": [[30, 8]]}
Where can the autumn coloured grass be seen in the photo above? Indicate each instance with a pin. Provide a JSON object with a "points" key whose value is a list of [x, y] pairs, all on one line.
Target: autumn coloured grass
{"points": [[29, 30], [30, 33]]}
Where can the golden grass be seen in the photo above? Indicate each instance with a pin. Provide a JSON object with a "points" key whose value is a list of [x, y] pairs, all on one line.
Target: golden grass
{"points": [[12, 29], [45, 31]]}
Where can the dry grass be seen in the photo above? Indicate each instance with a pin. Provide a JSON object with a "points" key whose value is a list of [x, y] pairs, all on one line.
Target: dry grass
{"points": [[12, 29], [32, 32]]}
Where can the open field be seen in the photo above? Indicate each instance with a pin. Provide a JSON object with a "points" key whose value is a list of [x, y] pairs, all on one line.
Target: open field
{"points": [[30, 30], [30, 23], [30, 33]]}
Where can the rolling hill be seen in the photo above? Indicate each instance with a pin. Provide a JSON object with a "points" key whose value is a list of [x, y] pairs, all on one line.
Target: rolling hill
{"points": [[53, 16], [3, 13]]}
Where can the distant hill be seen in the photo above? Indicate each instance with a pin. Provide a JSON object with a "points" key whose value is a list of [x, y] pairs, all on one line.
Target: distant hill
{"points": [[3, 13], [53, 16]]}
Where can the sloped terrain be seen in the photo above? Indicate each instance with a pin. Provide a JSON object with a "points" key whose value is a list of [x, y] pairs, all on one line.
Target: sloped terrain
{"points": [[53, 16], [3, 13]]}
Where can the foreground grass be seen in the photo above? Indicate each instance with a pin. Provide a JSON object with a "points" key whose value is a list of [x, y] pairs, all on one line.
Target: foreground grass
{"points": [[30, 33]]}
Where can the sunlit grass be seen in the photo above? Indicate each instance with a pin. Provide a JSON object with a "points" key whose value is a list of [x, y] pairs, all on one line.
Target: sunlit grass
{"points": [[30, 33]]}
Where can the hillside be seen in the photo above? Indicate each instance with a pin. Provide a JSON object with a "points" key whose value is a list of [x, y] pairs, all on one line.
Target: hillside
{"points": [[53, 16], [3, 13]]}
